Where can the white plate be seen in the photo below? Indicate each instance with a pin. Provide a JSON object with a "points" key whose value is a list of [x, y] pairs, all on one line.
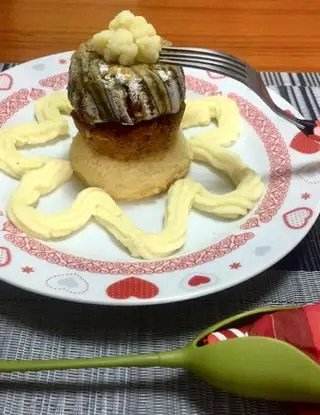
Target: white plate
{"points": [[91, 267]]}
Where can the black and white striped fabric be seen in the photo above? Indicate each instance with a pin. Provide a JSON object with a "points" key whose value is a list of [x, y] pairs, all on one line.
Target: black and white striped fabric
{"points": [[33, 327]]}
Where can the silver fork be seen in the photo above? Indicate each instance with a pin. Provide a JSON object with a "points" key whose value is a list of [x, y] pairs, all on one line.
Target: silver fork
{"points": [[232, 67]]}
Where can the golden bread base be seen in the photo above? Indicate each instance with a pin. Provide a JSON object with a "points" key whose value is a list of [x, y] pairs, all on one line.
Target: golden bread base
{"points": [[133, 179]]}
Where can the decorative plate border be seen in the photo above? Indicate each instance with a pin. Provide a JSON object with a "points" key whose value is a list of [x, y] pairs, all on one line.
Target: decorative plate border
{"points": [[46, 253], [16, 101], [278, 185], [279, 159]]}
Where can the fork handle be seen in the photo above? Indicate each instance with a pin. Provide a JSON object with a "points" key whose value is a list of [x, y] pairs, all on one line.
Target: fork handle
{"points": [[306, 126]]}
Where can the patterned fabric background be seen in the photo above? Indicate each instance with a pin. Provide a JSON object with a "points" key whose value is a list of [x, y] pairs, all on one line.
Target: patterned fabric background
{"points": [[33, 327]]}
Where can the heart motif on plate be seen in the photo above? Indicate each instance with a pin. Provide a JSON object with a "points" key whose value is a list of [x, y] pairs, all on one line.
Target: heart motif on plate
{"points": [[132, 287], [262, 250], [297, 218], [5, 256], [70, 283], [197, 280], [305, 144], [6, 82]]}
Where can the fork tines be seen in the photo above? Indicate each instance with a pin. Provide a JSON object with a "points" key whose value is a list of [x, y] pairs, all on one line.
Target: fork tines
{"points": [[205, 59]]}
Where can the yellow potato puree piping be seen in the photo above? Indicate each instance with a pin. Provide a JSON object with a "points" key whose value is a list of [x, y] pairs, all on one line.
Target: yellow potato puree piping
{"points": [[51, 125], [200, 112], [43, 175]]}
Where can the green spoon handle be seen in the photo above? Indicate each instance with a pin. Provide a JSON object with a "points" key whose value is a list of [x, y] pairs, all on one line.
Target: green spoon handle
{"points": [[167, 359]]}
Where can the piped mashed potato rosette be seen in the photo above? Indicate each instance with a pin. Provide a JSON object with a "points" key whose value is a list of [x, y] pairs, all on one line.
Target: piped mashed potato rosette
{"points": [[41, 175], [129, 39]]}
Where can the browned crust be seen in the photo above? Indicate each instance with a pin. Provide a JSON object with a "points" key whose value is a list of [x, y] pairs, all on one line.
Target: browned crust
{"points": [[129, 142]]}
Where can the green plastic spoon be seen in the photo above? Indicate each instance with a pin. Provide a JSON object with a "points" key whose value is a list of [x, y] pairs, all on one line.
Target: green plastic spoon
{"points": [[258, 367]]}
